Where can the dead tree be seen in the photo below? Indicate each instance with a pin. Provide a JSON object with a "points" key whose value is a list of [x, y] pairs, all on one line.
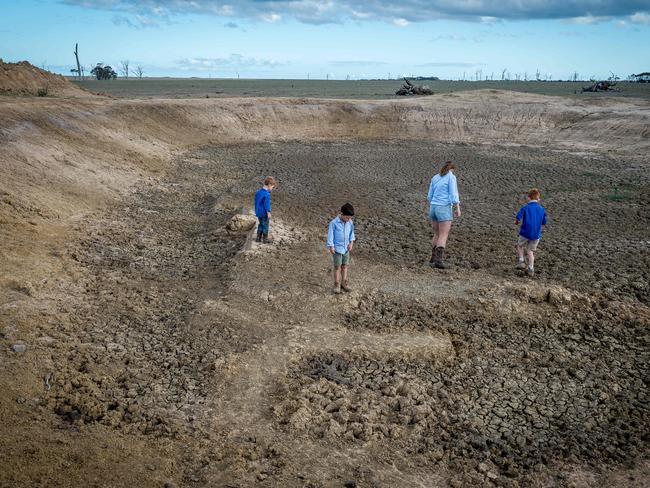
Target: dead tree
{"points": [[409, 89], [124, 68], [76, 55], [139, 71]]}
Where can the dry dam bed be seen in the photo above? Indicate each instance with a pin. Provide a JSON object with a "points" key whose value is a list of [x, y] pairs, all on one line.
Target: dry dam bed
{"points": [[161, 352]]}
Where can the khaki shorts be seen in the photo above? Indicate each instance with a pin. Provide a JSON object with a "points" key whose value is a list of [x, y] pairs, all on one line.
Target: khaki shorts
{"points": [[528, 244], [341, 259]]}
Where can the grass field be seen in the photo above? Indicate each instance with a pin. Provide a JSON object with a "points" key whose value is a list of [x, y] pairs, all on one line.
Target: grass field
{"points": [[367, 89]]}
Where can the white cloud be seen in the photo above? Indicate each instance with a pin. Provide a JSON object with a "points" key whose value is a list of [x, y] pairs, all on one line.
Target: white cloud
{"points": [[232, 61], [640, 18], [401, 22]]}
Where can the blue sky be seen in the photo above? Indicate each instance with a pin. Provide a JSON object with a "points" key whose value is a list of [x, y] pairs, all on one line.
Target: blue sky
{"points": [[339, 38]]}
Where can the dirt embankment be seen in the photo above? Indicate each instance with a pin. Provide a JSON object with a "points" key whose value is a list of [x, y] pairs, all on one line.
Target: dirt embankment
{"points": [[153, 355], [25, 79]]}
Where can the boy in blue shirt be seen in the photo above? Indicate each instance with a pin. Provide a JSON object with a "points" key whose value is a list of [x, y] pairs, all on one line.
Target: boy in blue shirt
{"points": [[263, 209], [340, 241], [531, 216]]}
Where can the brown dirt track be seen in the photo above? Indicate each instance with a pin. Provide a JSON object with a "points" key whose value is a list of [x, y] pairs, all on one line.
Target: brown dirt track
{"points": [[159, 352]]}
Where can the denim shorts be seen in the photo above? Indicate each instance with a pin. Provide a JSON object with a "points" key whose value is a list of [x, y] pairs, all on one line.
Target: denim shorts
{"points": [[341, 259], [441, 213]]}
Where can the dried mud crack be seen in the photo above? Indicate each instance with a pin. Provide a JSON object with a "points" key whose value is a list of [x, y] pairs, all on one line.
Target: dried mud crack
{"points": [[237, 367]]}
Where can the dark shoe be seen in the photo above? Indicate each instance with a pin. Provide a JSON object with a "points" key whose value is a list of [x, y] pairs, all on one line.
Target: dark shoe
{"points": [[521, 265], [266, 239], [433, 255], [530, 271], [259, 237], [346, 287], [439, 259]]}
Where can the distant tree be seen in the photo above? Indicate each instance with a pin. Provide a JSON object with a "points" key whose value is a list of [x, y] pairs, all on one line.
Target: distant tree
{"points": [[575, 76], [103, 72], [139, 71], [503, 74], [124, 68], [537, 75]]}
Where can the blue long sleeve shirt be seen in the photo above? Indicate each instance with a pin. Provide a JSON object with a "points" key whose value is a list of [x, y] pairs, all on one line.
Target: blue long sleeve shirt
{"points": [[262, 202], [443, 190], [340, 234], [532, 216]]}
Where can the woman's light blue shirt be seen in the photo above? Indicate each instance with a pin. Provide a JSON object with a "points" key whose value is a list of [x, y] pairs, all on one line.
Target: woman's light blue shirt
{"points": [[443, 190]]}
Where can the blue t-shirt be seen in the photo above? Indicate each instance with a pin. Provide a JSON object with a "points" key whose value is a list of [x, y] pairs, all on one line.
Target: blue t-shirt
{"points": [[262, 202], [532, 216]]}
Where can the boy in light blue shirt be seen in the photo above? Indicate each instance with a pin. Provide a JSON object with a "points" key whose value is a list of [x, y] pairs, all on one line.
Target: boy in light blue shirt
{"points": [[340, 241]]}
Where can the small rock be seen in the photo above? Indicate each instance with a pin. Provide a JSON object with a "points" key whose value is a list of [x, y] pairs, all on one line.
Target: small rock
{"points": [[19, 348], [491, 475], [483, 467]]}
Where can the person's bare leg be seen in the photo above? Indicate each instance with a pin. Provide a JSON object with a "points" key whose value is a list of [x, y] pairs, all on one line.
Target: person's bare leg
{"points": [[434, 239], [443, 233], [337, 275], [520, 258], [345, 276], [531, 259]]}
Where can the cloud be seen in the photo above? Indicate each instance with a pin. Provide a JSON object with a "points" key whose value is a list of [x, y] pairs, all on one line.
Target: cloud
{"points": [[401, 13], [450, 64], [231, 25], [449, 37], [366, 63], [640, 18], [231, 62]]}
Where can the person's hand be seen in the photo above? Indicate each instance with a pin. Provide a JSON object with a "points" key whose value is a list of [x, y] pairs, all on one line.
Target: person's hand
{"points": [[268, 215], [332, 250], [516, 222], [350, 246], [458, 211]]}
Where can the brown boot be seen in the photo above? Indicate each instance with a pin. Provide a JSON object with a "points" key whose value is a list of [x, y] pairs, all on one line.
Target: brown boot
{"points": [[439, 259]]}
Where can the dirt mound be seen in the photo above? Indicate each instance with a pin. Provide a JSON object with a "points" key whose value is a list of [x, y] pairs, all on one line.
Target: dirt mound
{"points": [[24, 78]]}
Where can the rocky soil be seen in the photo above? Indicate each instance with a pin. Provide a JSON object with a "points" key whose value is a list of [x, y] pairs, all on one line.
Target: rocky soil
{"points": [[185, 355]]}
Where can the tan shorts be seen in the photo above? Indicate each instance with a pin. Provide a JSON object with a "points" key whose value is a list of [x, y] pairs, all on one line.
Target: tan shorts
{"points": [[528, 244]]}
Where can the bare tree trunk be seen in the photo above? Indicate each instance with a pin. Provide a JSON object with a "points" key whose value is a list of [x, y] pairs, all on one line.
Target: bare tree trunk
{"points": [[76, 55]]}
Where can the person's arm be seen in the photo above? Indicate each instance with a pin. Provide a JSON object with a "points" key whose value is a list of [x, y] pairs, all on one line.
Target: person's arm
{"points": [[352, 237], [455, 197], [519, 216], [544, 218], [267, 206], [330, 237]]}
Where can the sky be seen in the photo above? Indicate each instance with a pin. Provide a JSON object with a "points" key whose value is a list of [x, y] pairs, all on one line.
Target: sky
{"points": [[339, 39]]}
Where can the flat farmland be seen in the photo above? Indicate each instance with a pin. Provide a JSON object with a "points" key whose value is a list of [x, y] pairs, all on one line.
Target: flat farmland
{"points": [[353, 89]]}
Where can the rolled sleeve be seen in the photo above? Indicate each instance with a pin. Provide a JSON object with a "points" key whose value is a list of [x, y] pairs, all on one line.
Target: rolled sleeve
{"points": [[330, 235]]}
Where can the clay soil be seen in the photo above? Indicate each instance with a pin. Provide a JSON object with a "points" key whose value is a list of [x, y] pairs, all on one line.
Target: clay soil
{"points": [[162, 349]]}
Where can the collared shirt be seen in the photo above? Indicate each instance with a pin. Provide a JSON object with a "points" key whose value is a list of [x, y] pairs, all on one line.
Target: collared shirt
{"points": [[340, 234], [262, 202], [443, 190], [532, 216]]}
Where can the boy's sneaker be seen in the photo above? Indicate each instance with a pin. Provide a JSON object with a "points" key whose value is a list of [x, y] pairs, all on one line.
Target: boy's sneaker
{"points": [[266, 239], [337, 288], [346, 288], [521, 265], [530, 271]]}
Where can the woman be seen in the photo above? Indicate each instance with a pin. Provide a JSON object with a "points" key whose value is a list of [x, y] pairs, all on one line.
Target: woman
{"points": [[443, 196]]}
